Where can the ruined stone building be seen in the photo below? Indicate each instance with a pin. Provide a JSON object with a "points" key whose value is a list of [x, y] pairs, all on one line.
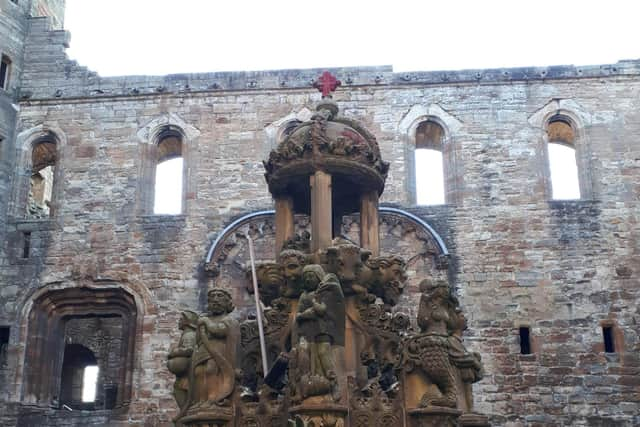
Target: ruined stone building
{"points": [[91, 274]]}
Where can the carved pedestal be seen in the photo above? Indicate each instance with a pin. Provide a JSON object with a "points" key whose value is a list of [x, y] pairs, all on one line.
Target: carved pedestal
{"points": [[318, 415], [473, 420], [214, 417], [434, 416]]}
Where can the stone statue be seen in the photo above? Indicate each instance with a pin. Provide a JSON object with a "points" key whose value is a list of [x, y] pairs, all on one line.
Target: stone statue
{"points": [[179, 358], [347, 261], [213, 361], [319, 327], [293, 261], [271, 283], [429, 350], [469, 364]]}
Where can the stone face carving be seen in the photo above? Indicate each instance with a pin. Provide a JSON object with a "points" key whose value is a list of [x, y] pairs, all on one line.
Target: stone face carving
{"points": [[293, 261]]}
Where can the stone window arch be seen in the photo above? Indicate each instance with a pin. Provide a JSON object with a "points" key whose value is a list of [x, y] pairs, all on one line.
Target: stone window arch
{"points": [[163, 140], [168, 187], [102, 320], [564, 178], [562, 123], [44, 158], [38, 175], [429, 163], [428, 130]]}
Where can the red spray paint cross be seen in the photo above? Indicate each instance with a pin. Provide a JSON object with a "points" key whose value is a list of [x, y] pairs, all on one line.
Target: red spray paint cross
{"points": [[326, 84]]}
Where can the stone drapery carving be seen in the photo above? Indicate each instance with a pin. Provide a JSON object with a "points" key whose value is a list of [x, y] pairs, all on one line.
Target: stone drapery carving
{"points": [[319, 327], [204, 363]]}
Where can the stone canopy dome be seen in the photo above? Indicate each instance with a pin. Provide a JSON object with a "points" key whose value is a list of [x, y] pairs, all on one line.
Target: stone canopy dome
{"points": [[334, 144]]}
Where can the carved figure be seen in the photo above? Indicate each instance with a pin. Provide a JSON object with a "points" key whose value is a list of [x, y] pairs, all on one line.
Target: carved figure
{"points": [[271, 282], [213, 360], [293, 261], [347, 261], [319, 324], [429, 350], [388, 275], [469, 364], [179, 358]]}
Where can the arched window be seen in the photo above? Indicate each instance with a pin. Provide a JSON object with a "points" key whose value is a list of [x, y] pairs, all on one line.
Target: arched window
{"points": [[43, 163], [563, 168], [168, 188], [429, 173]]}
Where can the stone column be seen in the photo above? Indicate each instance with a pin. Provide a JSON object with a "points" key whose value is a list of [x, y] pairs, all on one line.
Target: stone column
{"points": [[369, 226], [284, 221], [321, 211]]}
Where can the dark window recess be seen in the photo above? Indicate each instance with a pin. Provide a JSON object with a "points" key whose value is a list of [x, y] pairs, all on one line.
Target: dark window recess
{"points": [[4, 72], [26, 244], [4, 345], [525, 340], [609, 343]]}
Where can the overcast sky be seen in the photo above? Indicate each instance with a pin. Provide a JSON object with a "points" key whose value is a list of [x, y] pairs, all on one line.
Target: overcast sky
{"points": [[118, 37]]}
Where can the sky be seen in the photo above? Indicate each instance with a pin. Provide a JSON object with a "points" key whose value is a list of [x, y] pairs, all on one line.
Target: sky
{"points": [[157, 37], [124, 37]]}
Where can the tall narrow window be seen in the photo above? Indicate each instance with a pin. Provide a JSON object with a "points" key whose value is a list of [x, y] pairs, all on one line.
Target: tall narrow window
{"points": [[525, 340], [90, 383], [609, 341], [565, 183], [168, 183], [43, 158], [428, 164], [5, 72], [4, 345]]}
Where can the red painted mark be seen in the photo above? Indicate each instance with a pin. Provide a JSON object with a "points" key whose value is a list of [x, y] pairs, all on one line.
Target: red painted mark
{"points": [[327, 83]]}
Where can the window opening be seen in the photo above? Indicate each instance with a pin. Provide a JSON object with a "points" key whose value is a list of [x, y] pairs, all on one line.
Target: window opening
{"points": [[43, 161], [26, 244], [563, 167], [168, 180], [609, 342], [4, 345], [90, 383], [76, 380], [5, 71], [429, 170], [525, 340]]}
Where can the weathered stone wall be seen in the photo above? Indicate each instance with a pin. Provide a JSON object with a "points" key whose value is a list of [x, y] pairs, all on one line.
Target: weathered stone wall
{"points": [[560, 267]]}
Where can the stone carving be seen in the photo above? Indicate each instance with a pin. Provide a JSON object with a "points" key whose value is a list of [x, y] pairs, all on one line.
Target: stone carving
{"points": [[271, 282], [319, 327], [429, 350], [381, 354], [179, 359], [204, 363], [339, 350], [373, 407], [293, 261], [346, 260]]}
